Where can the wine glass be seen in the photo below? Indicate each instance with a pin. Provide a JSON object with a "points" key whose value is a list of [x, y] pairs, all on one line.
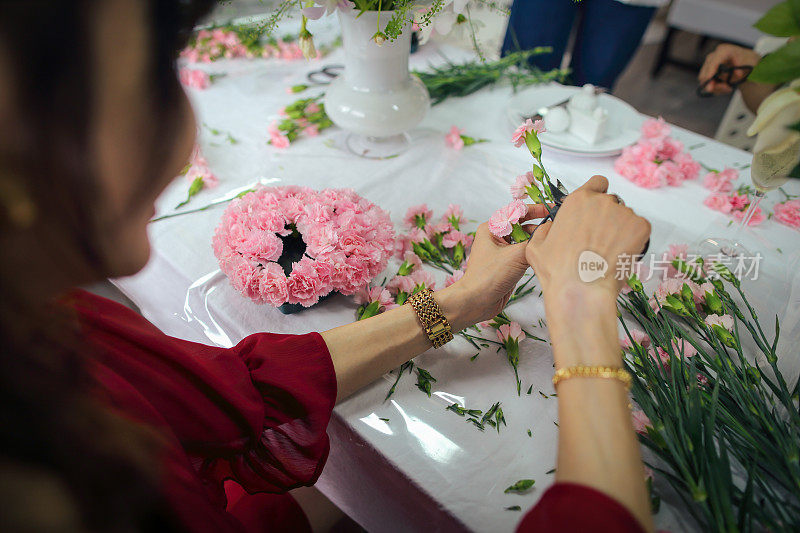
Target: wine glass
{"points": [[767, 172]]}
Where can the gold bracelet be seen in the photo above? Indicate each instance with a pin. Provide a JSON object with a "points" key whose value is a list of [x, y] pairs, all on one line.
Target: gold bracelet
{"points": [[582, 371], [433, 321]]}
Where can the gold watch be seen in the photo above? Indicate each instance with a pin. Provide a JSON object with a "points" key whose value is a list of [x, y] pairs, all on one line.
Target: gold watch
{"points": [[431, 317]]}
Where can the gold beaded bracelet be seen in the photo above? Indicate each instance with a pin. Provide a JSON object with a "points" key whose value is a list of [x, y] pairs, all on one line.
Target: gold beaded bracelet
{"points": [[582, 371], [433, 321]]}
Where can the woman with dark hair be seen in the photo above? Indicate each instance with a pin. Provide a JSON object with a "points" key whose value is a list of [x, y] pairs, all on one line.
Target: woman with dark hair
{"points": [[106, 423]]}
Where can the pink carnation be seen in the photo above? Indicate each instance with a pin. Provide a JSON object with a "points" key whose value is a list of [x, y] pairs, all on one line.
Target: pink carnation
{"points": [[457, 275], [518, 188], [412, 259], [718, 202], [639, 337], [367, 295], [449, 240], [724, 321], [655, 128], [279, 141], [511, 331], [423, 278], [640, 421], [670, 286], [501, 221], [305, 286], [518, 138], [688, 166], [739, 201], [312, 108], [348, 243], [273, 285], [788, 213], [720, 181], [757, 218], [669, 173], [453, 212], [404, 284], [453, 139], [194, 78], [684, 348], [415, 213], [668, 149], [677, 251]]}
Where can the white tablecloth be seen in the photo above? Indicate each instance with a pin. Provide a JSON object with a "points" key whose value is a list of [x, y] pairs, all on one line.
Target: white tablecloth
{"points": [[425, 469]]}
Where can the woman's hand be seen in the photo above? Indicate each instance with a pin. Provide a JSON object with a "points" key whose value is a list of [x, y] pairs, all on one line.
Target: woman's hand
{"points": [[726, 54], [590, 223], [493, 270]]}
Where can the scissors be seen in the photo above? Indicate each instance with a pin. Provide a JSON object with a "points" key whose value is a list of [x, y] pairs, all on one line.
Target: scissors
{"points": [[560, 193], [725, 74], [325, 75]]}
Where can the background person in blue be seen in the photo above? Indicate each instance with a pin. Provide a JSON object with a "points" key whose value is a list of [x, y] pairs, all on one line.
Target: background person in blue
{"points": [[608, 34]]}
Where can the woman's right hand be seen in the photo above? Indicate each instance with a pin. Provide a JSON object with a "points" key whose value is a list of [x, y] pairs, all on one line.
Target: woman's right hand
{"points": [[588, 221], [726, 54]]}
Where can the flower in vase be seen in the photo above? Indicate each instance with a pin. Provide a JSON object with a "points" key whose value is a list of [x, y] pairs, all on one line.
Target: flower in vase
{"points": [[323, 7]]}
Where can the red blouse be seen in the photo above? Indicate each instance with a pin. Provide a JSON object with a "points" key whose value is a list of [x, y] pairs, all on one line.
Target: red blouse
{"points": [[255, 413], [244, 425]]}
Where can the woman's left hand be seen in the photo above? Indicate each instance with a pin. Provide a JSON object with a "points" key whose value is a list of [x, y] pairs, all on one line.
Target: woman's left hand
{"points": [[493, 270]]}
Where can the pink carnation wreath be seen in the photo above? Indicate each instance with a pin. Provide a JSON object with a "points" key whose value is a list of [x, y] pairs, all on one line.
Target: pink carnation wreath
{"points": [[294, 245]]}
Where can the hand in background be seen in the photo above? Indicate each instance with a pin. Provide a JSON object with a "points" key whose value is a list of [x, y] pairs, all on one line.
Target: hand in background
{"points": [[726, 54]]}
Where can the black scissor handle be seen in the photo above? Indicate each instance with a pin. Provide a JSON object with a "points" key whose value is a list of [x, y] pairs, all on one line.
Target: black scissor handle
{"points": [[725, 74]]}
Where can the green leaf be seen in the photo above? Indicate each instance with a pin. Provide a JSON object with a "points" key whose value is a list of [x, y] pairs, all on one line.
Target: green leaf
{"points": [[781, 66], [457, 409], [779, 21], [514, 508], [530, 434], [530, 389], [194, 188], [520, 487]]}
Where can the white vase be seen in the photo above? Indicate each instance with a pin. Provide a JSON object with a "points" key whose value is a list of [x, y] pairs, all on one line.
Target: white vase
{"points": [[375, 98]]}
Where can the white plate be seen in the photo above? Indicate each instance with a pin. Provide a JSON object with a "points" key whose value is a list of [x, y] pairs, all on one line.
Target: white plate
{"points": [[624, 122]]}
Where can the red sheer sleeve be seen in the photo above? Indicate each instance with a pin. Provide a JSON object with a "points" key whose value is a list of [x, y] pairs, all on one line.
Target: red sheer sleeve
{"points": [[256, 412], [572, 507]]}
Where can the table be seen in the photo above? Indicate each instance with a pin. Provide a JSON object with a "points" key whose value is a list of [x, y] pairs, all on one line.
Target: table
{"points": [[425, 469]]}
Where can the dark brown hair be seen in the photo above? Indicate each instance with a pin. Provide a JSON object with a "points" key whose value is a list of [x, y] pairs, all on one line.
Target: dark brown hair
{"points": [[47, 420]]}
